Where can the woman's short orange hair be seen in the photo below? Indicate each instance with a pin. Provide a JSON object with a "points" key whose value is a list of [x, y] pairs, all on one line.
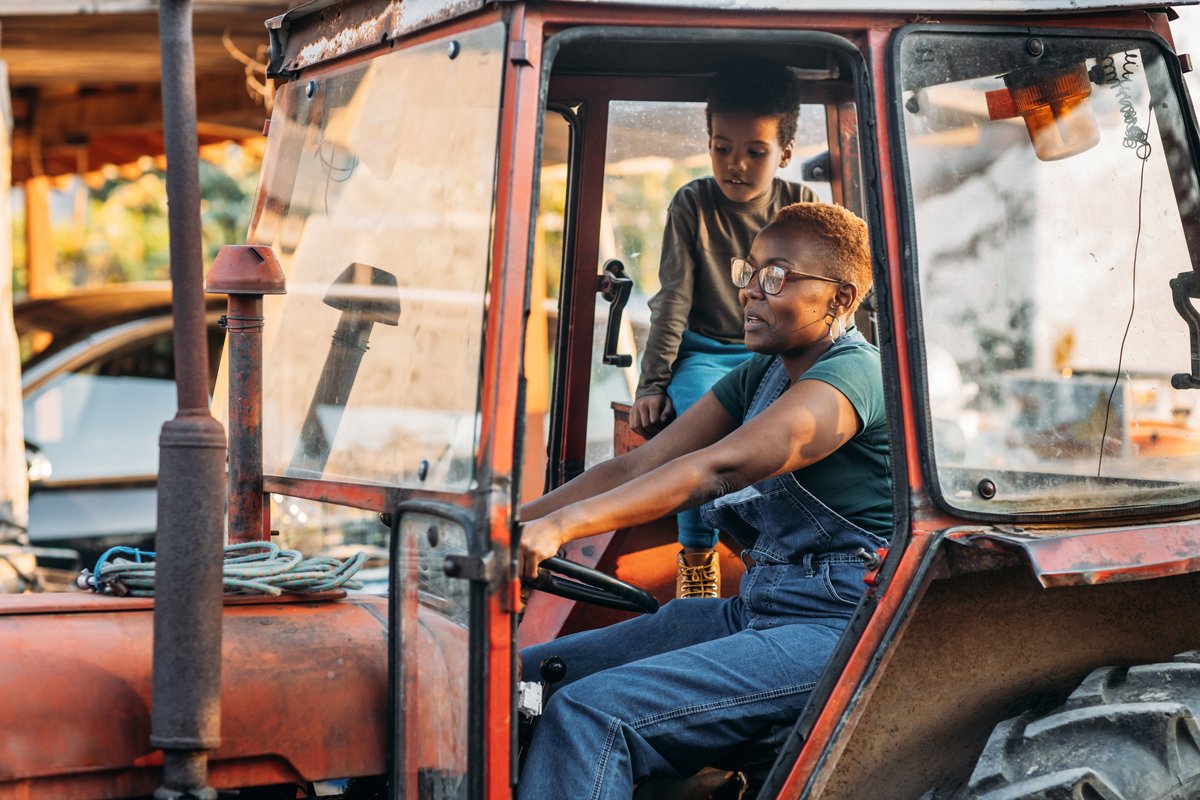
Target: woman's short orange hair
{"points": [[841, 235]]}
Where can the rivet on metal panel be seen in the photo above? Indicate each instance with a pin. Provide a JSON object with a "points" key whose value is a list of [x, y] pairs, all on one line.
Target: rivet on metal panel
{"points": [[987, 488], [310, 89], [1035, 47], [453, 49]]}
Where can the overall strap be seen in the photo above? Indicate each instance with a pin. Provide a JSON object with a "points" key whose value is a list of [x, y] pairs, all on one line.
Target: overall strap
{"points": [[775, 382]]}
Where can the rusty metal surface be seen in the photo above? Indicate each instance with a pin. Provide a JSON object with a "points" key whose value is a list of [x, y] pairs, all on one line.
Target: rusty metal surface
{"points": [[890, 6], [981, 648], [1105, 556], [320, 31], [190, 527], [245, 269], [247, 503], [245, 273], [303, 694], [369, 497]]}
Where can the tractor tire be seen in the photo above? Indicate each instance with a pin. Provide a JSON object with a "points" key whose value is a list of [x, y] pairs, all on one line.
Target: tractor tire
{"points": [[1126, 733]]}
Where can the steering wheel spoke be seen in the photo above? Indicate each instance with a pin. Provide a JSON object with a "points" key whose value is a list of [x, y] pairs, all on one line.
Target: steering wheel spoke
{"points": [[572, 580]]}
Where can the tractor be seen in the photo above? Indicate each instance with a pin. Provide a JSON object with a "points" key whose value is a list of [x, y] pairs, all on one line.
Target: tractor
{"points": [[437, 315]]}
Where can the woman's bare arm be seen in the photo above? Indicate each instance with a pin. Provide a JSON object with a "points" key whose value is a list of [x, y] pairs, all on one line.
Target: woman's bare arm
{"points": [[703, 424], [807, 423]]}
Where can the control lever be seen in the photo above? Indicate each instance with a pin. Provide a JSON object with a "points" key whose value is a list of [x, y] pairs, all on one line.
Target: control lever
{"points": [[1186, 287], [531, 700], [531, 694], [615, 286]]}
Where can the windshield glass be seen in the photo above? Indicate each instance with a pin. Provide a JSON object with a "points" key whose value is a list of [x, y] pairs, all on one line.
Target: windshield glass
{"points": [[377, 198], [1051, 179]]}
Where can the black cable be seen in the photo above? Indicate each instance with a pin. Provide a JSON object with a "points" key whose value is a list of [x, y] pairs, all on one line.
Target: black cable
{"points": [[1144, 156]]}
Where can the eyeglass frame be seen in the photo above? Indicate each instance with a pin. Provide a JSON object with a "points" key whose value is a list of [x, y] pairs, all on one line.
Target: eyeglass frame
{"points": [[786, 270]]}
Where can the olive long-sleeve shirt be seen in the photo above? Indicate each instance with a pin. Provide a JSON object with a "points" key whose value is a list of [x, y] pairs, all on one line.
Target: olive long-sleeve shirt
{"points": [[704, 231]]}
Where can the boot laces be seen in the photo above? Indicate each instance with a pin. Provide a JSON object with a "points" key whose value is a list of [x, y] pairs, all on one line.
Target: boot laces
{"points": [[698, 581]]}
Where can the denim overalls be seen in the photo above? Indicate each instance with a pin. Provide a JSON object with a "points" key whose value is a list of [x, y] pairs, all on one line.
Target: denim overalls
{"points": [[790, 535], [668, 693]]}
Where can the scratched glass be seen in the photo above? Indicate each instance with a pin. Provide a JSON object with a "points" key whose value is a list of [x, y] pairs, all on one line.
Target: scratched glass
{"points": [[377, 197], [1050, 332]]}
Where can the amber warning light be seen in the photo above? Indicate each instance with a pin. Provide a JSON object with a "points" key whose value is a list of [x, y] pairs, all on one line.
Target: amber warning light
{"points": [[1054, 107]]}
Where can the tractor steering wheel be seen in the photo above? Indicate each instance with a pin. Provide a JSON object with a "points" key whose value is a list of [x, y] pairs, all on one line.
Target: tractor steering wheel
{"points": [[574, 581]]}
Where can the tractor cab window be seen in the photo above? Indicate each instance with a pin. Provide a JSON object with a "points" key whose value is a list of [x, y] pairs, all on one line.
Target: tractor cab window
{"points": [[634, 142], [376, 196], [653, 148], [1054, 200]]}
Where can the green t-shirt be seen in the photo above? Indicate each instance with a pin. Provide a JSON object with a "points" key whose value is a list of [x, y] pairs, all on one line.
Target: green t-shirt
{"points": [[856, 479]]}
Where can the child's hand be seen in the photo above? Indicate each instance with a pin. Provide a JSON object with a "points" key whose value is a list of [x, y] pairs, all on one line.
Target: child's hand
{"points": [[650, 413]]}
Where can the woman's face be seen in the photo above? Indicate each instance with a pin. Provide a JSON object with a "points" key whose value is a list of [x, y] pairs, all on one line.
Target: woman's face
{"points": [[794, 319]]}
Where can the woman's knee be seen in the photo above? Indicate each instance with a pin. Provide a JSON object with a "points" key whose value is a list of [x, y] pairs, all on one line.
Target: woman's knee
{"points": [[591, 698]]}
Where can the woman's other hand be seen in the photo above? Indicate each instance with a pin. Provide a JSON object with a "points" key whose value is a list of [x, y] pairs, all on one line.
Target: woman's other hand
{"points": [[540, 539], [650, 413]]}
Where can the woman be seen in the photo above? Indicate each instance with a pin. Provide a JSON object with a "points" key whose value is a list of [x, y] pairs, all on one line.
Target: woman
{"points": [[789, 454]]}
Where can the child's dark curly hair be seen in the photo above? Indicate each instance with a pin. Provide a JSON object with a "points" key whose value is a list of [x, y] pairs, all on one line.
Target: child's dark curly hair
{"points": [[759, 88]]}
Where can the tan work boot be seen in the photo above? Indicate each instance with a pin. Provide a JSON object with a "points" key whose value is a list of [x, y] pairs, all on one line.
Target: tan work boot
{"points": [[699, 575]]}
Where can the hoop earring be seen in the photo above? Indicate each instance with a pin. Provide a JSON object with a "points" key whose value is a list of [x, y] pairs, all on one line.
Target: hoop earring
{"points": [[841, 326]]}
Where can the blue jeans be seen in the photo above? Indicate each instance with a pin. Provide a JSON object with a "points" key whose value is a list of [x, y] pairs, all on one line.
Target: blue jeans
{"points": [[666, 694], [701, 362]]}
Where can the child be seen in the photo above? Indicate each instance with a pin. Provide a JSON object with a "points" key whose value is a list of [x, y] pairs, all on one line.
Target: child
{"points": [[696, 318]]}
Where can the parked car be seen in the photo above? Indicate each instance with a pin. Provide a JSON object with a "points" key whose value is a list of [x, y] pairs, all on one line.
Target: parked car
{"points": [[97, 382]]}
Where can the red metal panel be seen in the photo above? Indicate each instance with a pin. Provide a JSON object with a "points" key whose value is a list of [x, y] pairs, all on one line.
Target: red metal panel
{"points": [[512, 257], [303, 694], [1105, 556], [585, 268], [821, 748]]}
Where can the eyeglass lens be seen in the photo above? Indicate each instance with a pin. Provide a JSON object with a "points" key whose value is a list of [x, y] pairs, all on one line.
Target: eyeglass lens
{"points": [[770, 277]]}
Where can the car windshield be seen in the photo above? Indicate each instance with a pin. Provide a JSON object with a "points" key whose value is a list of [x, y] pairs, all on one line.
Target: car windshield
{"points": [[1054, 197]]}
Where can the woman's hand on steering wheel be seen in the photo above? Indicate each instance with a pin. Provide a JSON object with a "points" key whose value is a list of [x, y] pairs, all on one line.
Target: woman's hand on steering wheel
{"points": [[540, 539]]}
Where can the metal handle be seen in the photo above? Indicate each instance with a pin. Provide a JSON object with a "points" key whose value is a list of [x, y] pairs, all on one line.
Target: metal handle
{"points": [[615, 287]]}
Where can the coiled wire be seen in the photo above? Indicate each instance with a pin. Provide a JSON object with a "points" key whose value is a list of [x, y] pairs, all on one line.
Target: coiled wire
{"points": [[249, 568]]}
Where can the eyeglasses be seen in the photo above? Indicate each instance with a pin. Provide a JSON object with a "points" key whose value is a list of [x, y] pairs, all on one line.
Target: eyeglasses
{"points": [[771, 276]]}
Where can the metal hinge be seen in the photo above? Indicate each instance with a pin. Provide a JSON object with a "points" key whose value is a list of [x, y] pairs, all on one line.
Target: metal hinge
{"points": [[518, 53], [480, 569]]}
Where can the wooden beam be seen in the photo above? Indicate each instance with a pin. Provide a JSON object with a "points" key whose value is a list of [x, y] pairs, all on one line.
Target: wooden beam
{"points": [[39, 237], [98, 50]]}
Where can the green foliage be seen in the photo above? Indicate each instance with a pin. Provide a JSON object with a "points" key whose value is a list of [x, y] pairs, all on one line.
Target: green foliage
{"points": [[119, 232]]}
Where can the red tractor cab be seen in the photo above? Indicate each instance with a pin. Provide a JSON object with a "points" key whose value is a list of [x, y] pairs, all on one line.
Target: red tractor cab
{"points": [[453, 239]]}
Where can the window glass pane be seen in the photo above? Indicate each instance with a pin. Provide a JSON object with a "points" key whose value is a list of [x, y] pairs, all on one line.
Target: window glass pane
{"points": [[377, 198], [1045, 244], [431, 654], [653, 149]]}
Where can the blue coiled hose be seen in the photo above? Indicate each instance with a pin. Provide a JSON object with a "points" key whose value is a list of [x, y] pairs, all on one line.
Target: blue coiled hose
{"points": [[249, 568]]}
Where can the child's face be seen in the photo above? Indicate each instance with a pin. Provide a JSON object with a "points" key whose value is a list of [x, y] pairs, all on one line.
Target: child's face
{"points": [[745, 154]]}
